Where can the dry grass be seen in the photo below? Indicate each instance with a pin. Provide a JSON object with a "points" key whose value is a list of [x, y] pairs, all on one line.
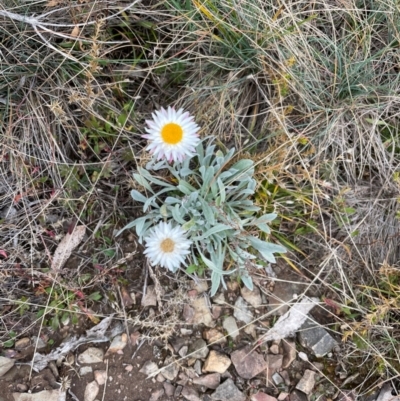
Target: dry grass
{"points": [[309, 89]]}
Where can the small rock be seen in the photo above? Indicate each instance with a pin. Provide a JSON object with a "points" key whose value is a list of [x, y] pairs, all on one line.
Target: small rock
{"points": [[274, 363], [118, 343], [242, 312], [38, 343], [307, 382], [227, 391], [303, 356], [214, 336], [188, 314], [297, 395], [216, 362], [248, 363], [22, 387], [283, 396], [91, 391], [169, 389], [219, 299], [23, 343], [285, 377], [100, 376], [202, 314], [129, 368], [216, 311], [277, 379], [289, 353], [252, 297], [160, 378], [197, 367], [284, 292], [5, 365], [198, 349], [186, 332], [149, 368], [84, 370], [386, 393], [210, 381], [46, 395], [178, 391], [316, 338], [91, 355], [155, 395], [190, 394], [231, 327], [260, 396], [251, 330], [183, 351], [150, 299], [172, 369], [178, 343], [200, 285], [274, 349]]}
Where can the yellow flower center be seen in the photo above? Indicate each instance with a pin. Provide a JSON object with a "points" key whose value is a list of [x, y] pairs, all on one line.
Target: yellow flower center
{"points": [[167, 245], [172, 133]]}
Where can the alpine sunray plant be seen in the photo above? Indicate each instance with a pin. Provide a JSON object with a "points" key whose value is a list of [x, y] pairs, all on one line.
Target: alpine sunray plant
{"points": [[210, 198]]}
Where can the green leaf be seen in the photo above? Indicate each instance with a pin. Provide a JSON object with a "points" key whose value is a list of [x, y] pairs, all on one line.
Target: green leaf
{"points": [[137, 196], [213, 230], [95, 296], [222, 192], [215, 282], [185, 188], [247, 281], [143, 182], [266, 218]]}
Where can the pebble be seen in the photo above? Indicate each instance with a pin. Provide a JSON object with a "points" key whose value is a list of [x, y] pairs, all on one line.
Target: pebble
{"points": [[251, 297], [283, 396], [156, 394], [316, 338], [150, 299], [274, 363], [260, 396], [231, 327], [172, 369], [197, 367], [307, 382], [227, 391], [178, 391], [198, 349], [242, 312], [210, 381], [38, 343], [248, 363], [149, 368], [169, 389], [91, 391], [5, 365], [214, 336], [100, 376], [22, 343], [91, 355], [183, 351], [277, 379], [216, 362], [190, 394], [118, 343], [289, 353], [202, 313], [84, 370]]}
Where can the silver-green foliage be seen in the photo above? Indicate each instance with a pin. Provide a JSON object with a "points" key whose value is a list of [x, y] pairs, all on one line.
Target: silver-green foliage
{"points": [[212, 202]]}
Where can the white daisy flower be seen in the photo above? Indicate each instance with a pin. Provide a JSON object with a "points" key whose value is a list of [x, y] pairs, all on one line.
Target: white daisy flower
{"points": [[167, 246], [172, 134]]}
